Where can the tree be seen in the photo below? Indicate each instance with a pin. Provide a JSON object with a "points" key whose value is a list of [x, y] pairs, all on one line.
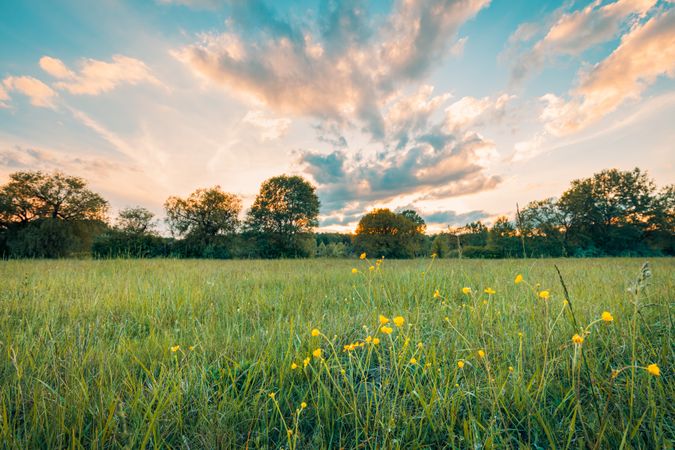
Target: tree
{"points": [[284, 213], [382, 232], [206, 213], [46, 215], [611, 211], [32, 195], [136, 220], [545, 224], [503, 239]]}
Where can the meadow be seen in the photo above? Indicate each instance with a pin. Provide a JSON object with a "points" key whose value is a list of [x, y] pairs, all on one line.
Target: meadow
{"points": [[337, 354]]}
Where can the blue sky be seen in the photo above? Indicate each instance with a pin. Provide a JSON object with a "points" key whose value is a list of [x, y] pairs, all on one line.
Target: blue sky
{"points": [[459, 109]]}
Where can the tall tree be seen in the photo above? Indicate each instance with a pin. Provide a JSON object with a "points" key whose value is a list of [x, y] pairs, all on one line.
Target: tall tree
{"points": [[544, 223], [34, 195], [204, 214], [284, 211]]}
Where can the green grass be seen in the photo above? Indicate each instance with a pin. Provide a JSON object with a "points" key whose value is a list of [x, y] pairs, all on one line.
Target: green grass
{"points": [[86, 360]]}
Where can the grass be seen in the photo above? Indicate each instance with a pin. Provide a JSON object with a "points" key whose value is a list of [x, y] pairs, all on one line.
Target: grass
{"points": [[200, 354]]}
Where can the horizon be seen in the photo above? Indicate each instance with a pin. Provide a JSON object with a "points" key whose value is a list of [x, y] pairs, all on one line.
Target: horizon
{"points": [[387, 106]]}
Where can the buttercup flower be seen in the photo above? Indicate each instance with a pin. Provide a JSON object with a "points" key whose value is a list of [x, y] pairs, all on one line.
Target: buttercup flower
{"points": [[413, 361], [317, 353], [519, 279], [490, 291], [466, 290], [481, 353], [383, 320], [544, 294], [363, 255], [369, 339], [607, 316], [303, 405], [398, 321], [654, 370], [577, 339], [460, 364], [437, 294], [386, 330], [376, 341], [305, 362], [175, 348], [355, 270], [294, 366], [315, 332], [371, 268]]}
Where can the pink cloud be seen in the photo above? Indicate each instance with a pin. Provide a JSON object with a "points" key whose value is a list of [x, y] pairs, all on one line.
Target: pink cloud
{"points": [[39, 93]]}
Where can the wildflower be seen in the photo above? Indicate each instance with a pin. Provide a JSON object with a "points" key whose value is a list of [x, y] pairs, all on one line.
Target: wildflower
{"points": [[577, 339], [317, 353], [272, 395], [175, 348], [363, 255], [466, 290], [355, 270], [485, 302], [457, 385], [481, 353], [294, 366], [434, 255], [413, 361], [511, 369], [519, 279], [607, 316], [520, 334], [437, 294], [315, 332], [343, 371], [371, 268], [290, 432], [398, 321], [420, 345], [303, 405], [544, 294], [460, 364], [386, 330], [383, 320], [615, 373], [305, 362], [369, 339], [376, 341], [490, 291], [654, 370], [192, 347]]}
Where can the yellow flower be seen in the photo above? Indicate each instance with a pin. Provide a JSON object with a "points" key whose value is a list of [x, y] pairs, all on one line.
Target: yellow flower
{"points": [[175, 348], [544, 294], [466, 290], [192, 347], [376, 341], [481, 353], [383, 320], [315, 332], [386, 330], [303, 405], [371, 268], [305, 362], [363, 255], [420, 345], [413, 360], [369, 339], [317, 353], [519, 279], [654, 370], [511, 369], [355, 270], [577, 339], [398, 321], [520, 334], [607, 316], [272, 395], [460, 364], [437, 294], [433, 255], [490, 291]]}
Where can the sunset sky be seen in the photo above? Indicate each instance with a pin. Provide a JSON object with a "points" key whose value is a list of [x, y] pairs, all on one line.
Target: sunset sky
{"points": [[458, 108]]}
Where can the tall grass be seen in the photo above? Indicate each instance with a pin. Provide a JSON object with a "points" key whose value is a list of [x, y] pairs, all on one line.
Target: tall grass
{"points": [[203, 354]]}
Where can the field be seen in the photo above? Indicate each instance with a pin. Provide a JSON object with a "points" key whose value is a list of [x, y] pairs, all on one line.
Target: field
{"points": [[221, 354]]}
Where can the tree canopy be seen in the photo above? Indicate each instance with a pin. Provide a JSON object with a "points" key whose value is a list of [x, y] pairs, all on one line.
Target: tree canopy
{"points": [[205, 213], [383, 232]]}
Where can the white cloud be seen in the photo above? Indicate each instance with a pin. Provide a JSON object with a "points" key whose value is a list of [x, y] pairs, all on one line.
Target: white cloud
{"points": [[39, 93], [95, 77], [644, 54], [271, 128]]}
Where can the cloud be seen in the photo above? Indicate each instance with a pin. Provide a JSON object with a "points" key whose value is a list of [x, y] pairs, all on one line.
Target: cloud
{"points": [[346, 73], [644, 54], [95, 77], [271, 128], [574, 32], [4, 97], [39, 93], [471, 111], [29, 158], [457, 48], [453, 218]]}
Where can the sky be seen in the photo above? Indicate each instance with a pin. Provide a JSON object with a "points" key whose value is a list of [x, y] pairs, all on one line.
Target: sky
{"points": [[459, 109]]}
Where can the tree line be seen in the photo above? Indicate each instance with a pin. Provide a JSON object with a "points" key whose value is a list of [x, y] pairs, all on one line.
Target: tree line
{"points": [[52, 215]]}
